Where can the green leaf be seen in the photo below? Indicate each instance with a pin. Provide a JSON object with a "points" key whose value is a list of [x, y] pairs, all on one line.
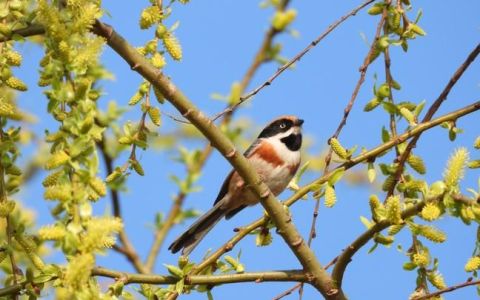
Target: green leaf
{"points": [[336, 175], [174, 270]]}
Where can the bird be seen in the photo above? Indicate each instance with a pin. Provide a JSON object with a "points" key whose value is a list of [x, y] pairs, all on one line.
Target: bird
{"points": [[275, 156]]}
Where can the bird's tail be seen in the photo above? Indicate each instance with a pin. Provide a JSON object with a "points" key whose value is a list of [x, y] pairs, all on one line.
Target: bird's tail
{"points": [[190, 238]]}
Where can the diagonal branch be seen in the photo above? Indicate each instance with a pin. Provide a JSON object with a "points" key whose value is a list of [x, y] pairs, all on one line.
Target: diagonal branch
{"points": [[320, 279], [452, 288], [227, 114]]}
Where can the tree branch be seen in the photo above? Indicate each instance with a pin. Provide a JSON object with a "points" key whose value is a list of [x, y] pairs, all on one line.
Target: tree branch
{"points": [[33, 29], [176, 208], [321, 280], [131, 278], [469, 282], [297, 57]]}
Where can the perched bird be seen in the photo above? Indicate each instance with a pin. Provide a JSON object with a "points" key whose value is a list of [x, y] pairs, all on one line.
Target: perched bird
{"points": [[275, 155]]}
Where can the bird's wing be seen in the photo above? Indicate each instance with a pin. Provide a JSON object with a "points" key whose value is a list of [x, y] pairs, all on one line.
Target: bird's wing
{"points": [[224, 189]]}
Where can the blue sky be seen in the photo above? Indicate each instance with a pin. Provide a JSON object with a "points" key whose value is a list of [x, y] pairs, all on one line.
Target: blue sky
{"points": [[219, 39]]}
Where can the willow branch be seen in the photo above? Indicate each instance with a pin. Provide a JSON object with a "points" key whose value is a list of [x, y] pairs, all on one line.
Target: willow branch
{"points": [[431, 111], [31, 30], [227, 114], [297, 57], [469, 282], [347, 254], [131, 278], [321, 280]]}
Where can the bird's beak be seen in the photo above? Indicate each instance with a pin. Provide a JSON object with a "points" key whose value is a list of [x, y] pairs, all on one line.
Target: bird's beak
{"points": [[299, 122]]}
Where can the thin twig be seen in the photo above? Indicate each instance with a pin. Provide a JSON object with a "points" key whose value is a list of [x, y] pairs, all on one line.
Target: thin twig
{"points": [[287, 292], [452, 288], [303, 52], [363, 71]]}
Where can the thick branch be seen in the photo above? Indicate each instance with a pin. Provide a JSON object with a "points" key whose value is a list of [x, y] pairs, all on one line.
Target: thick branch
{"points": [[321, 280]]}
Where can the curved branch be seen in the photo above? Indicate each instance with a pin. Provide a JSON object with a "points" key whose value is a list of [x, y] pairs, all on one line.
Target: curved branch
{"points": [[31, 30], [347, 254], [320, 279]]}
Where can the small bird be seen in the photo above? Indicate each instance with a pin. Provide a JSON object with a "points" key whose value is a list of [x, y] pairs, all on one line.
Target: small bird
{"points": [[275, 155]]}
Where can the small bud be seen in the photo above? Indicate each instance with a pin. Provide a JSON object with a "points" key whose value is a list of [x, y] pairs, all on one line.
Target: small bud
{"points": [[474, 164], [383, 91], [377, 208], [117, 173], [417, 29], [52, 232], [384, 240], [376, 9], [431, 233], [263, 238], [137, 167], [13, 170], [408, 115], [125, 140], [282, 19], [394, 229], [477, 143], [372, 104]]}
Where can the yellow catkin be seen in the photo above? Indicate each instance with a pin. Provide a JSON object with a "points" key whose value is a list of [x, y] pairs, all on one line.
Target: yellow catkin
{"points": [[150, 16], [394, 229], [13, 58], [393, 210], [52, 232], [330, 196], [16, 84], [154, 114], [431, 233], [78, 270], [436, 279], [98, 186], [58, 192], [472, 264], [6, 109], [455, 167], [137, 97], [421, 259], [6, 207], [376, 208], [158, 60], [338, 148], [56, 160], [172, 46], [52, 179], [263, 239], [430, 212]]}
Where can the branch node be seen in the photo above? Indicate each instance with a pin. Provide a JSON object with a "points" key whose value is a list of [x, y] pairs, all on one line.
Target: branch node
{"points": [[231, 153], [265, 194], [228, 247], [332, 292], [135, 66], [187, 113], [298, 242]]}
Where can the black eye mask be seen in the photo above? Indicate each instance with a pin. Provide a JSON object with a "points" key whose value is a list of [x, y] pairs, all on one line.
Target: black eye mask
{"points": [[276, 128]]}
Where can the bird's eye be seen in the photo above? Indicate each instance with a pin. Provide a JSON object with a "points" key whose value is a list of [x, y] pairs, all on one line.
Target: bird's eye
{"points": [[283, 125]]}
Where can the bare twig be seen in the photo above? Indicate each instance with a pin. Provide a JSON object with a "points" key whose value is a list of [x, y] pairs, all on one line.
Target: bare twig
{"points": [[303, 52], [452, 288], [33, 29]]}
